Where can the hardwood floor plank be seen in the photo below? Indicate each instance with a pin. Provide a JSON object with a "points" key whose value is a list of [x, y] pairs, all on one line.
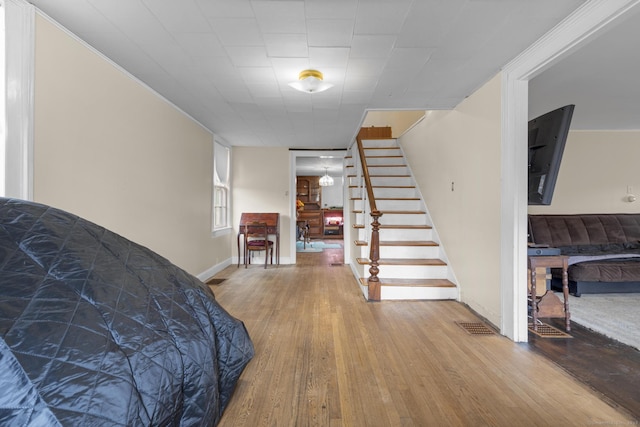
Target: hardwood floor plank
{"points": [[326, 357]]}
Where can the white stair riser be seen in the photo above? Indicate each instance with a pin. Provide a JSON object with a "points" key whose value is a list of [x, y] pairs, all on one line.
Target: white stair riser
{"points": [[386, 151], [391, 142], [396, 170], [381, 193], [401, 193], [372, 162], [400, 181], [359, 204], [409, 252], [417, 293], [399, 205], [405, 234], [412, 271], [403, 219]]}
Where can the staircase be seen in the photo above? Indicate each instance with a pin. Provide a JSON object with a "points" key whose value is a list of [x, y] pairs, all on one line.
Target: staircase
{"points": [[411, 262]]}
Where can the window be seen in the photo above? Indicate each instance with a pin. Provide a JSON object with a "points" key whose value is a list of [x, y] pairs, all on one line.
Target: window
{"points": [[221, 190]]}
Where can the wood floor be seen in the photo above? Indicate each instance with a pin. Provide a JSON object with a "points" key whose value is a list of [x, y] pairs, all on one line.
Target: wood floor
{"points": [[325, 357]]}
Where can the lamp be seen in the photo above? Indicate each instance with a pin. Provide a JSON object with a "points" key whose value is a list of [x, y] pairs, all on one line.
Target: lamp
{"points": [[310, 81], [326, 180]]}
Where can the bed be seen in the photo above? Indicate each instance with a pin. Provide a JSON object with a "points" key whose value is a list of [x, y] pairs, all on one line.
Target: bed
{"points": [[96, 330]]}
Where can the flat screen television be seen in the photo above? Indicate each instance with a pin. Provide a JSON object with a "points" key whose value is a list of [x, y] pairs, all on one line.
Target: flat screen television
{"points": [[547, 137]]}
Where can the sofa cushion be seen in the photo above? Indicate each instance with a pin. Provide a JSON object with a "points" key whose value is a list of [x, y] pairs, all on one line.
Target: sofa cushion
{"points": [[610, 270], [588, 229]]}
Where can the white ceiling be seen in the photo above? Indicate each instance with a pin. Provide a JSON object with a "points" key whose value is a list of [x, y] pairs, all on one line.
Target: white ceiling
{"points": [[601, 79], [228, 63]]}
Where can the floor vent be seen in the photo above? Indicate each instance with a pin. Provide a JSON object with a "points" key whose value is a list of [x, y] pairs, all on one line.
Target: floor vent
{"points": [[476, 328], [337, 264], [215, 281], [548, 331]]}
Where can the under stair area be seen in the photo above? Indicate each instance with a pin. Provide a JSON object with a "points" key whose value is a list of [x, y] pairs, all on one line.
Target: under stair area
{"points": [[411, 264]]}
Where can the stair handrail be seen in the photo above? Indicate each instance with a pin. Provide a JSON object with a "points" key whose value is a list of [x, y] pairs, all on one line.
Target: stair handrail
{"points": [[374, 243]]}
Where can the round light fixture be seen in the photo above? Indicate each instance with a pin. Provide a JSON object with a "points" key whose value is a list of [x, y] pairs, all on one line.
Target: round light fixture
{"points": [[310, 81]]}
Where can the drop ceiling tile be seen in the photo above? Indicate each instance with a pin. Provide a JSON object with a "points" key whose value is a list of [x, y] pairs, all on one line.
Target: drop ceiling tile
{"points": [[356, 97], [258, 75], [81, 18], [372, 46], [409, 57], [381, 18], [133, 19], [200, 44], [286, 45], [329, 32], [332, 9], [182, 16], [233, 92], [325, 57], [280, 16], [248, 56], [366, 66], [237, 31], [226, 8]]}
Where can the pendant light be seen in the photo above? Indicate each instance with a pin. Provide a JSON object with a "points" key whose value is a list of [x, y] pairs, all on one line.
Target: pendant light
{"points": [[326, 180]]}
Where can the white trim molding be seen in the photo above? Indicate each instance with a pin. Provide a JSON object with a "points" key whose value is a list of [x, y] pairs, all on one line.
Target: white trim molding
{"points": [[20, 30], [583, 25]]}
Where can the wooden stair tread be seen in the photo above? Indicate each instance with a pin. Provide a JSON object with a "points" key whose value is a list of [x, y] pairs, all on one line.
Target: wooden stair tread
{"points": [[431, 283], [407, 243], [382, 148], [361, 243], [403, 261], [389, 176], [409, 227], [403, 212], [385, 186], [386, 157], [398, 227], [386, 166], [389, 198]]}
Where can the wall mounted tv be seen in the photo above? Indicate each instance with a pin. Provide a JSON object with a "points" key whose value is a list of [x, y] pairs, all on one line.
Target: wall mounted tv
{"points": [[547, 137]]}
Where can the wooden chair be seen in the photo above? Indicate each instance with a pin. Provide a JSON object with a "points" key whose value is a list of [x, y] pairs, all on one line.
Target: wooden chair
{"points": [[256, 238]]}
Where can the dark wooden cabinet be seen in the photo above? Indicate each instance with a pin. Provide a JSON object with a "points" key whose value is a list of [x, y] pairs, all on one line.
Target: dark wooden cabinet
{"points": [[309, 192]]}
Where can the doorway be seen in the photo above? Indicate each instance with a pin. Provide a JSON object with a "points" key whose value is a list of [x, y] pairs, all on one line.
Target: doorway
{"points": [[318, 219]]}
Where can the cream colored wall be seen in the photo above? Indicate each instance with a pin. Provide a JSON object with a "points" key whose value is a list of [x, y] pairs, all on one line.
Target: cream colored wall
{"points": [[400, 121], [596, 169], [110, 150], [455, 157], [260, 183]]}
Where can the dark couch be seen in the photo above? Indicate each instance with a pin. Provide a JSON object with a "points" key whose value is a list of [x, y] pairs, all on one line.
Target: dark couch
{"points": [[603, 249]]}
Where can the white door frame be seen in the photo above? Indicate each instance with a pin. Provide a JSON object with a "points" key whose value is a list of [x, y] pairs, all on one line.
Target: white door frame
{"points": [[19, 60], [582, 26], [293, 157]]}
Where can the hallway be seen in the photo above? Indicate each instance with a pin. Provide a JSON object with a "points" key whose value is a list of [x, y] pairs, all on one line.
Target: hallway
{"points": [[325, 357]]}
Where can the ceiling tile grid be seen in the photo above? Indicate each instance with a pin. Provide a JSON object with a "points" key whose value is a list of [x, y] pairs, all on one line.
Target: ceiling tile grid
{"points": [[228, 63]]}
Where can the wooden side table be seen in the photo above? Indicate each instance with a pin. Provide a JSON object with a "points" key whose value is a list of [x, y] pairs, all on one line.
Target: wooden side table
{"points": [[549, 304]]}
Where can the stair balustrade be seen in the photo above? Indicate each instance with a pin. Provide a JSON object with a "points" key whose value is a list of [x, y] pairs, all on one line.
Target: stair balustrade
{"points": [[373, 281]]}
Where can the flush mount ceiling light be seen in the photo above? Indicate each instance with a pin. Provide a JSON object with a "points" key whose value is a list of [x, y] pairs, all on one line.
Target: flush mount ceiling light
{"points": [[326, 180], [310, 81]]}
